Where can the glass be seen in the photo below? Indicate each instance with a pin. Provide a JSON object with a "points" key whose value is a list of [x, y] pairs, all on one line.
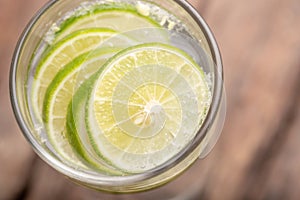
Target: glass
{"points": [[198, 148]]}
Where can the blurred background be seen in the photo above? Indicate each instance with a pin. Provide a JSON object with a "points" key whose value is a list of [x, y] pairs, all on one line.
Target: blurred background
{"points": [[257, 155]]}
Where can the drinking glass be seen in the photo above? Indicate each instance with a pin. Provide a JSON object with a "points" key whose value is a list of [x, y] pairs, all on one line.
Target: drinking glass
{"points": [[168, 181]]}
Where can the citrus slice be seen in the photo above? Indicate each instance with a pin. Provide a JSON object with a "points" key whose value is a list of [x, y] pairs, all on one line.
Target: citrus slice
{"points": [[76, 133], [76, 130], [145, 106], [57, 99], [62, 53], [119, 17]]}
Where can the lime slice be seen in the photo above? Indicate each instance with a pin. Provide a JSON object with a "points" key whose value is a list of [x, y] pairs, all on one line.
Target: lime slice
{"points": [[58, 97], [59, 55], [77, 134], [119, 17], [146, 106]]}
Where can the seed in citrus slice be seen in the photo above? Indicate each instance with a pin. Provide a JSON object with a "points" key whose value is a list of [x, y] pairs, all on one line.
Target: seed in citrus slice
{"points": [[62, 53], [147, 104], [57, 99]]}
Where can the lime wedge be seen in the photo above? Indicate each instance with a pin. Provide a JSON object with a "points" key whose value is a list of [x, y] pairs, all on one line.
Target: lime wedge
{"points": [[119, 17], [145, 106], [61, 54], [58, 97]]}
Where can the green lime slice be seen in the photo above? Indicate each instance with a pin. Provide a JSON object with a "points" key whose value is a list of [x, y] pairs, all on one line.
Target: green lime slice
{"points": [[61, 54], [146, 105], [119, 17], [76, 130], [58, 97]]}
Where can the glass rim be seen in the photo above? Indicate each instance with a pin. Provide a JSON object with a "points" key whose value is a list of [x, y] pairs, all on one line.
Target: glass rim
{"points": [[128, 179]]}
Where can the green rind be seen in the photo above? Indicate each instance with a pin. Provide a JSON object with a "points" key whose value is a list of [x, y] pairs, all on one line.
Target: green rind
{"points": [[77, 101]]}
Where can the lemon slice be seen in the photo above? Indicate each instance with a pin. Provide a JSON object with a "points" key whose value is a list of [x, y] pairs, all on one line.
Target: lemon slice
{"points": [[61, 54], [57, 99], [146, 106], [119, 17]]}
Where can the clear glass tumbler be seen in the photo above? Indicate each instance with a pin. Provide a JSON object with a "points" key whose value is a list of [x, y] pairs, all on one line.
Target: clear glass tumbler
{"points": [[166, 181]]}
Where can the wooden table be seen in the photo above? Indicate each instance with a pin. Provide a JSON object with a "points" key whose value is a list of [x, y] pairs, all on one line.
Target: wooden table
{"points": [[257, 156]]}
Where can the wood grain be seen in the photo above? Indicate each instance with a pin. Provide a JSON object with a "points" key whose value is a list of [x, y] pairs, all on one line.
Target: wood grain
{"points": [[257, 156]]}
